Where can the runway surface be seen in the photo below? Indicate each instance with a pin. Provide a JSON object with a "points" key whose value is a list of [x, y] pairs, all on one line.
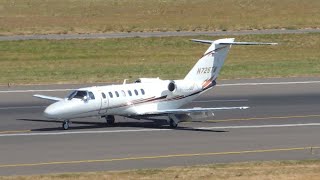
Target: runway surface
{"points": [[283, 123], [155, 34]]}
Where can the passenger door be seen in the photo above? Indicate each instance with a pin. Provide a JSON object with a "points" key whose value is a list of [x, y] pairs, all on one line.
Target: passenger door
{"points": [[92, 104], [104, 103]]}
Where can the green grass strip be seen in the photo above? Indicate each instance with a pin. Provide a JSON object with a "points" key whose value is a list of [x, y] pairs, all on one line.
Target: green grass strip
{"points": [[112, 60]]}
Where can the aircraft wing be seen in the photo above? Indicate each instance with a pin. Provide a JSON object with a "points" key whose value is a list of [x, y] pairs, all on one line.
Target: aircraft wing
{"points": [[51, 98], [192, 110]]}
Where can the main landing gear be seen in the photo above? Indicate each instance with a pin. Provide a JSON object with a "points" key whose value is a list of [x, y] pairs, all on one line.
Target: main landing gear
{"points": [[110, 120], [173, 124], [65, 124]]}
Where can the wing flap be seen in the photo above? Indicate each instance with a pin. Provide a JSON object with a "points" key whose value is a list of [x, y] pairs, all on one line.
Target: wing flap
{"points": [[51, 98], [193, 110]]}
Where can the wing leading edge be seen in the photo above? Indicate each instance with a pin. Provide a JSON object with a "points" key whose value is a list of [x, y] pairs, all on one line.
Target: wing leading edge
{"points": [[223, 42], [51, 98]]}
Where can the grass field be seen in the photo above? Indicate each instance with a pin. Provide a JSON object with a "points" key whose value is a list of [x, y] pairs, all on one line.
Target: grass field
{"points": [[112, 60], [98, 16], [279, 170]]}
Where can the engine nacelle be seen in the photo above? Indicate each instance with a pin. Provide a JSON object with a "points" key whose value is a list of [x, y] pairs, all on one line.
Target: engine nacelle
{"points": [[179, 86], [186, 86], [147, 80]]}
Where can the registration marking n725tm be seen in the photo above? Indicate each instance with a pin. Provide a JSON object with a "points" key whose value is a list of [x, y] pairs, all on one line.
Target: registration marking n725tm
{"points": [[205, 70]]}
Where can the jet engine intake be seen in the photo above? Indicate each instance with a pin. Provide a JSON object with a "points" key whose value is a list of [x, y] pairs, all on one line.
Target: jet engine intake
{"points": [[172, 86]]}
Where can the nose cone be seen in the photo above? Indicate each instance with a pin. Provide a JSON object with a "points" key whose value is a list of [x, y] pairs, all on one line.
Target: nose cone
{"points": [[54, 111], [50, 112]]}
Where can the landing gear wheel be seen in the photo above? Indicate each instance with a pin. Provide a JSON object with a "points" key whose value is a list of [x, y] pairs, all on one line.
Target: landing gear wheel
{"points": [[173, 124], [110, 120], [65, 124]]}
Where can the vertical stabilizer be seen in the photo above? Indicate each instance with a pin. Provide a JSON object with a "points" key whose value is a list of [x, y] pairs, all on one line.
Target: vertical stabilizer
{"points": [[207, 69], [209, 65]]}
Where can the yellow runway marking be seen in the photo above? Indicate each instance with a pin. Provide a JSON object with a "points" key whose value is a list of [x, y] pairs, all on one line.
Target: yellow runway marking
{"points": [[19, 131], [263, 118], [159, 157]]}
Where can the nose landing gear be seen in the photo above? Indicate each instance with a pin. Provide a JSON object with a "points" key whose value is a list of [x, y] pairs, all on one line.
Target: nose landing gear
{"points": [[65, 124], [173, 124]]}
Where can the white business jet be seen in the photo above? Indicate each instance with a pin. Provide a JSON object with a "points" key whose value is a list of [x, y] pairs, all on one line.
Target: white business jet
{"points": [[148, 97]]}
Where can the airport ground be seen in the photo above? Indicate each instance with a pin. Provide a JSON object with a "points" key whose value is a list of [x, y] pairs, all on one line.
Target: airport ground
{"points": [[282, 124]]}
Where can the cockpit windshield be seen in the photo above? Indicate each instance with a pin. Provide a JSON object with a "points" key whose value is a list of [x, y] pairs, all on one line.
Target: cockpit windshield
{"points": [[78, 95]]}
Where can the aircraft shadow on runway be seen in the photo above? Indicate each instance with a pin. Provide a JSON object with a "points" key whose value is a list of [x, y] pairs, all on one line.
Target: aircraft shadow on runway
{"points": [[153, 124]]}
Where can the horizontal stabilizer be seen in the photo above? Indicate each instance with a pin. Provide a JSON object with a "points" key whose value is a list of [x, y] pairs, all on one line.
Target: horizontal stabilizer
{"points": [[222, 42], [51, 98]]}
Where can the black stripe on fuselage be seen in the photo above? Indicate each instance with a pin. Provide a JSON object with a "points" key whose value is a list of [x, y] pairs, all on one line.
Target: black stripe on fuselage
{"points": [[152, 99]]}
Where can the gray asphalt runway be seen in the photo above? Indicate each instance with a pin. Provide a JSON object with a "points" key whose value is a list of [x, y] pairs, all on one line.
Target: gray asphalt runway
{"points": [[155, 34], [282, 123]]}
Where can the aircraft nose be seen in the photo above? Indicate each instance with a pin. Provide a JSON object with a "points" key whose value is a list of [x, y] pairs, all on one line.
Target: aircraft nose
{"points": [[50, 112], [55, 110]]}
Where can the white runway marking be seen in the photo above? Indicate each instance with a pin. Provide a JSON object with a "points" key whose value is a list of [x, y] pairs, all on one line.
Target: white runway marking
{"points": [[270, 83], [22, 107], [82, 132], [262, 126], [227, 100], [221, 85], [153, 130]]}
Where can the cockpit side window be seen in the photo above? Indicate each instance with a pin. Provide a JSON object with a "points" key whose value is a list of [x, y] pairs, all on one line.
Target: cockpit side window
{"points": [[79, 95], [70, 96], [91, 95]]}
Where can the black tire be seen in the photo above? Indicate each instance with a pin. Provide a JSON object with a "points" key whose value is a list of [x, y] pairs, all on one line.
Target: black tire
{"points": [[173, 124], [110, 120], [65, 125]]}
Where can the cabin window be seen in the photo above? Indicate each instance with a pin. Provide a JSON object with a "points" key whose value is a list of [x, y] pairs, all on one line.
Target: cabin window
{"points": [[136, 92], [123, 93], [117, 94], [91, 95], [110, 94], [129, 92], [103, 95], [142, 91]]}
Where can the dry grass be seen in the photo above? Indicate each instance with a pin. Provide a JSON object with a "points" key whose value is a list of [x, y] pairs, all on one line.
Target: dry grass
{"points": [[277, 170], [112, 60], [97, 16]]}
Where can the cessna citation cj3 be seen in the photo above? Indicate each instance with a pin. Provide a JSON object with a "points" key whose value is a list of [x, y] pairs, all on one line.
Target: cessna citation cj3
{"points": [[148, 97]]}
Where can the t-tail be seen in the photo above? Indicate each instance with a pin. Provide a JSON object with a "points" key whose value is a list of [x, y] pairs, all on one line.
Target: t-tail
{"points": [[208, 67]]}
